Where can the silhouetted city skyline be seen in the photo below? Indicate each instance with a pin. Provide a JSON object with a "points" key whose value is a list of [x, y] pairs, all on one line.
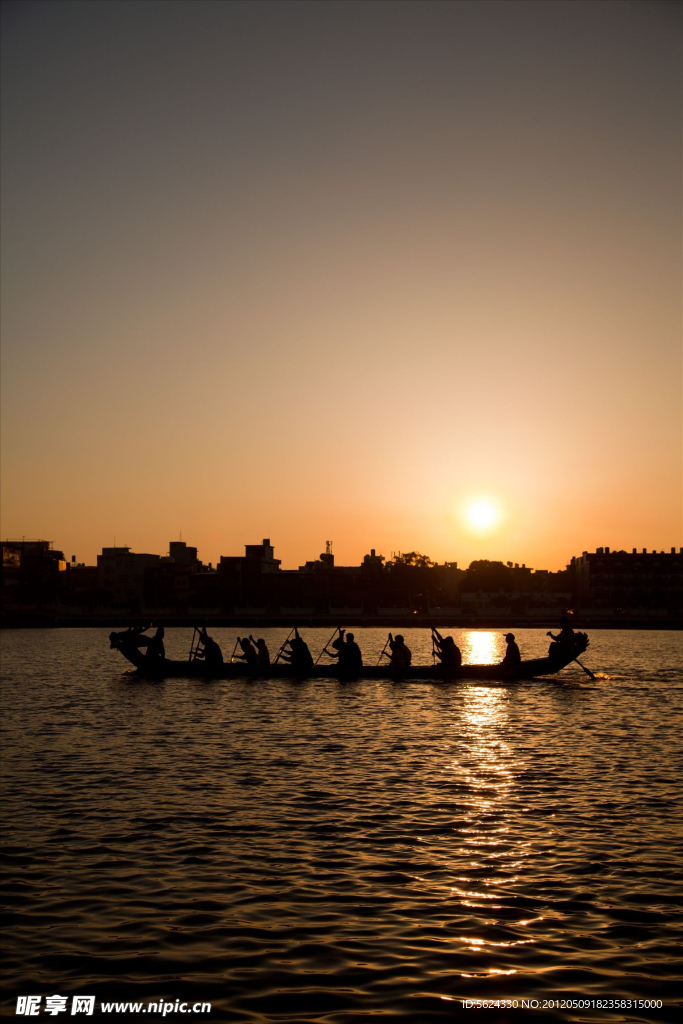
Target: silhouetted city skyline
{"points": [[37, 578]]}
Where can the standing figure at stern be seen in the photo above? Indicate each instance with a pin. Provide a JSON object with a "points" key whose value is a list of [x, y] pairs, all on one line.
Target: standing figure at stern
{"points": [[564, 643]]}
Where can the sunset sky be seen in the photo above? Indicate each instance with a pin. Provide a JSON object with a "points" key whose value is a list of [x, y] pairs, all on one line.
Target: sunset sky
{"points": [[339, 270]]}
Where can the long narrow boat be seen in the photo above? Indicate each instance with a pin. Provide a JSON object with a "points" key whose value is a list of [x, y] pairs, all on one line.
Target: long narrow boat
{"points": [[127, 644]]}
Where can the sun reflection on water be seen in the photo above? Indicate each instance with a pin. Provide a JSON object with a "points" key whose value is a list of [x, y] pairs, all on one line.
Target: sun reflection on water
{"points": [[488, 765], [481, 647], [484, 710]]}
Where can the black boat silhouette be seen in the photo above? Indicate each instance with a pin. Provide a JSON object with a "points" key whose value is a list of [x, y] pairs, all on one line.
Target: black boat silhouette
{"points": [[127, 643]]}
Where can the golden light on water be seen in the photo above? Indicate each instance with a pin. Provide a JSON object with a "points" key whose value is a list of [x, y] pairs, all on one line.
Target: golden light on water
{"points": [[488, 766], [482, 648]]}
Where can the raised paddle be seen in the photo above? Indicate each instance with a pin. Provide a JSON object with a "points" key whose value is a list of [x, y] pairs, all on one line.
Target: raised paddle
{"points": [[193, 650], [284, 644], [324, 650], [383, 650], [232, 656]]}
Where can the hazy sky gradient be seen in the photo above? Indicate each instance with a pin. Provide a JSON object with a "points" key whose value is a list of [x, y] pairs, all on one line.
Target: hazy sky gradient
{"points": [[329, 270]]}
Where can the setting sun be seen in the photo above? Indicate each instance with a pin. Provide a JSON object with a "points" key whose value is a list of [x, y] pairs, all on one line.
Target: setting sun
{"points": [[482, 515]]}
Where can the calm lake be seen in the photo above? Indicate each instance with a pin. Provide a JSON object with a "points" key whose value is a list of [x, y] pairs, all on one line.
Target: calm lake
{"points": [[327, 852]]}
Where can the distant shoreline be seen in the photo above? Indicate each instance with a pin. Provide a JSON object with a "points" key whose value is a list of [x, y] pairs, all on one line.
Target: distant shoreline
{"points": [[118, 621]]}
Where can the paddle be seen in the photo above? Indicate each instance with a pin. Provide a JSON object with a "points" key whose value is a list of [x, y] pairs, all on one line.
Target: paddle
{"points": [[433, 648], [324, 650], [574, 658], [193, 649], [383, 650], [586, 670], [284, 644], [232, 656]]}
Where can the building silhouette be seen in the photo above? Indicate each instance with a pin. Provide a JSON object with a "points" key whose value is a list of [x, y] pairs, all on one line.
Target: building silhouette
{"points": [[624, 581], [603, 585], [31, 571]]}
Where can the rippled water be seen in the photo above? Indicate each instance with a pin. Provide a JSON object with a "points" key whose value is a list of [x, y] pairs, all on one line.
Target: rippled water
{"points": [[325, 851]]}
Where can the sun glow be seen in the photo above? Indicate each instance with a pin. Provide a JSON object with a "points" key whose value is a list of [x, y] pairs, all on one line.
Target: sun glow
{"points": [[482, 515]]}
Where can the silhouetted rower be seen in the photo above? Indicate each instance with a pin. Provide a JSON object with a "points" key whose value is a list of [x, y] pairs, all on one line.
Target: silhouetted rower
{"points": [[336, 644], [249, 654], [401, 655], [155, 646], [350, 656], [447, 651], [210, 652], [299, 655], [348, 653], [512, 659], [262, 652]]}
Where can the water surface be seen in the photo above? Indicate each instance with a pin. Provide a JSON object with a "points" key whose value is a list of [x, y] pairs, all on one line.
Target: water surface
{"points": [[330, 852]]}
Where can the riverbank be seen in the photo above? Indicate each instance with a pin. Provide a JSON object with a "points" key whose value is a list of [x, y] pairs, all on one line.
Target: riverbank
{"points": [[591, 619]]}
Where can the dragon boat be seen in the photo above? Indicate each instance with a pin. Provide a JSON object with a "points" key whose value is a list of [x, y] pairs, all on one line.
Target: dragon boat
{"points": [[130, 644]]}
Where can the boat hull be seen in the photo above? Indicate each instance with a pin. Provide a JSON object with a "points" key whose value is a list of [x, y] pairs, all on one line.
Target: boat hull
{"points": [[533, 669]]}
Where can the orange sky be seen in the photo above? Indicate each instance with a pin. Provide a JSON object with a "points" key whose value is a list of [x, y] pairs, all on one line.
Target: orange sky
{"points": [[333, 271]]}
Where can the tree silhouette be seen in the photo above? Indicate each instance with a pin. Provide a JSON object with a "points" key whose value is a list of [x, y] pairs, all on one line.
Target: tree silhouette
{"points": [[412, 559], [487, 576]]}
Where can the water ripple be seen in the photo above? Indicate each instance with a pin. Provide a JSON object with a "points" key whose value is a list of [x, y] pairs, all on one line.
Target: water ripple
{"points": [[326, 852]]}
